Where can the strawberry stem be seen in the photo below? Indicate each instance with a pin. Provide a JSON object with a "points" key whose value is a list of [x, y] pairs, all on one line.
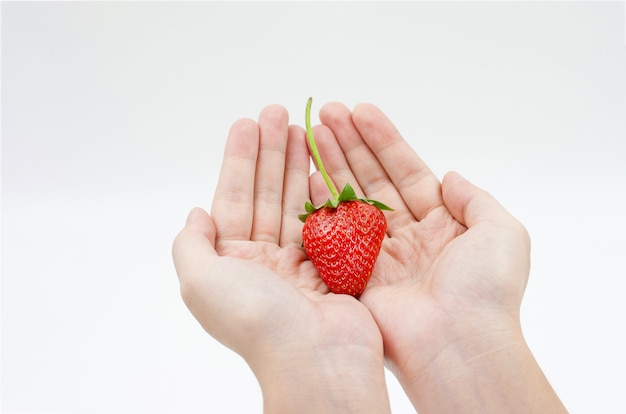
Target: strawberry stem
{"points": [[315, 153]]}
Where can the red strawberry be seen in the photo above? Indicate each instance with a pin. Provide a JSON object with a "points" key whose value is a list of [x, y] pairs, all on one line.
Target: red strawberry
{"points": [[343, 243], [343, 236]]}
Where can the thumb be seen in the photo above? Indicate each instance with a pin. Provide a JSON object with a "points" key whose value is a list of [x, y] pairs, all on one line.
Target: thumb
{"points": [[469, 204], [196, 260], [489, 222], [494, 237], [195, 244]]}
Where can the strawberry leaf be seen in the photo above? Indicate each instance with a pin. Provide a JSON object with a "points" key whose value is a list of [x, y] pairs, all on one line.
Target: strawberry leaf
{"points": [[378, 204], [347, 194]]}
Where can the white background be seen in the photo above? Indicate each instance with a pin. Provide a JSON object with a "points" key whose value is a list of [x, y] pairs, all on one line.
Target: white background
{"points": [[114, 118]]}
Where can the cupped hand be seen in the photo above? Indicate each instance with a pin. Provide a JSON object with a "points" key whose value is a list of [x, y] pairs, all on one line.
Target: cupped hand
{"points": [[245, 277], [454, 264]]}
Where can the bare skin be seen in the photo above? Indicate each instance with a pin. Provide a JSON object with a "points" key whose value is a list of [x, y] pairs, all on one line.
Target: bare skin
{"points": [[441, 309], [246, 279]]}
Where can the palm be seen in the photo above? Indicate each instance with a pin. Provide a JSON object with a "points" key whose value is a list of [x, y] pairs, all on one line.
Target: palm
{"points": [[288, 297], [411, 282], [255, 236], [288, 263], [427, 271], [409, 256]]}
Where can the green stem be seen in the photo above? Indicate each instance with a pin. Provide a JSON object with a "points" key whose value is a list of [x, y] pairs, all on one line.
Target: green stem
{"points": [[315, 153]]}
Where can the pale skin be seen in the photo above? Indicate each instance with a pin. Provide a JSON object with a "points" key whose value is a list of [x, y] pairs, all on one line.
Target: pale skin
{"points": [[441, 309]]}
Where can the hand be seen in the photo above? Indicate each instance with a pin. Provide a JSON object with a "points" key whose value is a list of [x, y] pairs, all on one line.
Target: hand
{"points": [[246, 279], [447, 286]]}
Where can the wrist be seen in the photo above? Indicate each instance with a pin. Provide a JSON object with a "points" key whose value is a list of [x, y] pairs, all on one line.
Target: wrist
{"points": [[341, 380], [481, 369]]}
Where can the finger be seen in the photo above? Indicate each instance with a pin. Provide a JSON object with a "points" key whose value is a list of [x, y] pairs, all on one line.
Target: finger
{"points": [[194, 247], [318, 189], [268, 188], [335, 164], [417, 185], [468, 204], [233, 202], [371, 176], [296, 187], [334, 160]]}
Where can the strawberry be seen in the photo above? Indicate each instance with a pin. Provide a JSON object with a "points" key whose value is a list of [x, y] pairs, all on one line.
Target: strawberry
{"points": [[343, 236], [343, 242]]}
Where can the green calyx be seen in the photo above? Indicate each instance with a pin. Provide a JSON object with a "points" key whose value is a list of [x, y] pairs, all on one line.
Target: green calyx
{"points": [[347, 194]]}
